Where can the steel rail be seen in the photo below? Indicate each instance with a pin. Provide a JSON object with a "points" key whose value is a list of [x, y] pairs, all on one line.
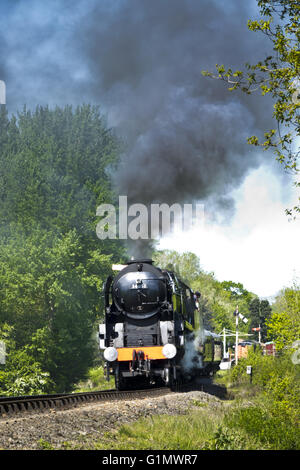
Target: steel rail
{"points": [[30, 403]]}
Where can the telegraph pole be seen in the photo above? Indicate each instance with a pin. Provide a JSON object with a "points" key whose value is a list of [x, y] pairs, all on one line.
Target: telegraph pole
{"points": [[236, 333], [224, 342], [245, 320], [259, 309]]}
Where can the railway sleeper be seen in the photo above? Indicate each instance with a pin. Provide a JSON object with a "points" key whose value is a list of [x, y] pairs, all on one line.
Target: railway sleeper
{"points": [[12, 408]]}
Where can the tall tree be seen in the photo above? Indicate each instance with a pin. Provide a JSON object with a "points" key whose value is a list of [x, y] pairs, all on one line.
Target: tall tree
{"points": [[54, 171], [54, 167], [185, 265], [260, 311], [284, 324], [218, 300]]}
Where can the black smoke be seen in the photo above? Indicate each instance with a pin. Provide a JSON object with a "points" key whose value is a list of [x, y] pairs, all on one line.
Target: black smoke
{"points": [[184, 135]]}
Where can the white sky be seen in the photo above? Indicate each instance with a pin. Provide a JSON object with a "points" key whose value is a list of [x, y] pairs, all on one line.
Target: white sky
{"points": [[259, 247]]}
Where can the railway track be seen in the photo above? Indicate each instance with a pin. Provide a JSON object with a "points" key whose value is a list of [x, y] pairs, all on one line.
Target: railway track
{"points": [[10, 406]]}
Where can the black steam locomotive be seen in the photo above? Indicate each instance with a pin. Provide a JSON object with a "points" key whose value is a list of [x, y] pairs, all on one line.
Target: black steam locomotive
{"points": [[153, 330]]}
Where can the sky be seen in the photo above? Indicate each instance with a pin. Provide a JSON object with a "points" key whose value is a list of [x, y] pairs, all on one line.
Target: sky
{"points": [[259, 246], [185, 135]]}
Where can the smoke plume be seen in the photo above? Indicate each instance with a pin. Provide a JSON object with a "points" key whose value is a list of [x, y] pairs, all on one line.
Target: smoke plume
{"points": [[184, 135], [192, 359]]}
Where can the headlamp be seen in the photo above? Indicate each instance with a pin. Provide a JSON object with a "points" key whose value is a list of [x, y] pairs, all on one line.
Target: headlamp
{"points": [[169, 351], [110, 354]]}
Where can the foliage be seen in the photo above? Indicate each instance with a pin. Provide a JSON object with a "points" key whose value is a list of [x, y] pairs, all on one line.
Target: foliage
{"points": [[218, 299], [273, 418], [54, 171], [45, 445], [278, 76], [231, 438], [21, 374], [180, 432], [273, 430], [260, 311], [284, 324], [54, 167], [50, 296], [95, 380], [186, 265], [264, 369]]}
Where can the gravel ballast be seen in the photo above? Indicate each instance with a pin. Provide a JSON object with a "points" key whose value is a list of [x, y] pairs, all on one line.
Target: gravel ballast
{"points": [[85, 424]]}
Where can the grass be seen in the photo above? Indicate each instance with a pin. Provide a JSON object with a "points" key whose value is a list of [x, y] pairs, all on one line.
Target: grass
{"points": [[237, 390], [266, 410], [203, 428], [261, 415], [45, 445], [96, 380], [181, 432], [269, 425], [241, 425]]}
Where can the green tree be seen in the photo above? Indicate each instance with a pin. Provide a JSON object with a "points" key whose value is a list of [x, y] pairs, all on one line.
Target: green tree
{"points": [[236, 290], [20, 374], [51, 296], [278, 76], [185, 265], [284, 324], [260, 311], [54, 171], [54, 167], [218, 299]]}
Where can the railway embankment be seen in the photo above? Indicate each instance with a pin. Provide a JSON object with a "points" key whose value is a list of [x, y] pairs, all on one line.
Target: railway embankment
{"points": [[228, 413], [97, 424]]}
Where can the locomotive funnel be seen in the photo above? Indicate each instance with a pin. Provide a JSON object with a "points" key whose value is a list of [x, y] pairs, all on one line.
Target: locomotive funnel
{"points": [[144, 260]]}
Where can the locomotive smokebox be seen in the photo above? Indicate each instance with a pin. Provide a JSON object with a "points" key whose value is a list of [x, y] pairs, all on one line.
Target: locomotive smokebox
{"points": [[139, 289]]}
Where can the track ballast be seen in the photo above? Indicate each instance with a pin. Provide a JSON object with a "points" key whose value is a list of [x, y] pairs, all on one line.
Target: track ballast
{"points": [[27, 404]]}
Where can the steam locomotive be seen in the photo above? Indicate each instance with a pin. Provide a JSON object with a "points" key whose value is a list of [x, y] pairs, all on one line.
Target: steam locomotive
{"points": [[153, 330]]}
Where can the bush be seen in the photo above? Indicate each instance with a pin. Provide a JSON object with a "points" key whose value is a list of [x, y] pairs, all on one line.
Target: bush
{"points": [[96, 380], [264, 369], [226, 438], [23, 376], [274, 418], [274, 430]]}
